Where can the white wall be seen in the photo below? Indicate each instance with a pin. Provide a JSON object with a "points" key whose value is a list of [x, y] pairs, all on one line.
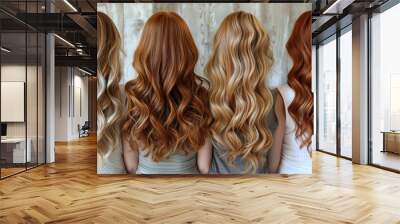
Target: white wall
{"points": [[80, 84], [16, 73], [61, 103], [70, 83], [12, 73], [33, 126]]}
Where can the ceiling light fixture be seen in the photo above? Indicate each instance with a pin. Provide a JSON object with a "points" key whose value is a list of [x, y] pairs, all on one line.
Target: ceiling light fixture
{"points": [[84, 71], [65, 41], [5, 50], [70, 5]]}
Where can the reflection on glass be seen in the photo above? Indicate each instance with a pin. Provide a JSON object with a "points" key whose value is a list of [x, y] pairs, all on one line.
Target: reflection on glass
{"points": [[327, 97], [385, 84], [346, 94]]}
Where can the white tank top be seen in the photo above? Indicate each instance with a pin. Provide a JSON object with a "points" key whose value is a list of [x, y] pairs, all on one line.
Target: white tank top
{"points": [[295, 159]]}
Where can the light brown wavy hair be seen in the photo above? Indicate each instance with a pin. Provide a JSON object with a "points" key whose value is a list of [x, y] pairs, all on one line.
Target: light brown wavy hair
{"points": [[239, 99], [167, 103], [109, 107], [299, 78]]}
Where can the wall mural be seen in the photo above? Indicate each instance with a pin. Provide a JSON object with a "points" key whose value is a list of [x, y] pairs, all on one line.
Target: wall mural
{"points": [[169, 121]]}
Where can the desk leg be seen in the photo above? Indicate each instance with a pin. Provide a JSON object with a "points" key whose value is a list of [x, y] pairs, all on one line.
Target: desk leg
{"points": [[384, 142]]}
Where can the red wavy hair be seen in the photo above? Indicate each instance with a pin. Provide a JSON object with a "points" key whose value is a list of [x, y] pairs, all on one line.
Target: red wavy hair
{"points": [[167, 103], [299, 78]]}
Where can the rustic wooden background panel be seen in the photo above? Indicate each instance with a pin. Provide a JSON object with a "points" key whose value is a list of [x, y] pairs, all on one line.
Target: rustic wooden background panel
{"points": [[203, 20]]}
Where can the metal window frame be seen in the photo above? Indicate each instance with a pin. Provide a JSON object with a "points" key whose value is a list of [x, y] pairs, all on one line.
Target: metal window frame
{"points": [[387, 5], [334, 37]]}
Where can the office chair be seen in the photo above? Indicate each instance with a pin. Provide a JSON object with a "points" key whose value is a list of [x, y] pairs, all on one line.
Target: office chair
{"points": [[84, 130]]}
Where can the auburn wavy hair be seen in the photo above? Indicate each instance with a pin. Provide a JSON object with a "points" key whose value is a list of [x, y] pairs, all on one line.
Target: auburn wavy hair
{"points": [[167, 103], [239, 98], [109, 106], [299, 78]]}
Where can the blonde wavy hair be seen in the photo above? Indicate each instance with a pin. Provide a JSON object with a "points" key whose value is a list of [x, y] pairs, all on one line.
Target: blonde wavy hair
{"points": [[109, 106], [239, 99]]}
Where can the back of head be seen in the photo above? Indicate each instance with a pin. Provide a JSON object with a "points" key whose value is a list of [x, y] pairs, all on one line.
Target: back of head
{"points": [[239, 99], [108, 90], [167, 104], [300, 79]]}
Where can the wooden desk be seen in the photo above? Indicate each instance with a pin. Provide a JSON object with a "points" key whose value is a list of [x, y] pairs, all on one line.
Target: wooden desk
{"points": [[391, 141]]}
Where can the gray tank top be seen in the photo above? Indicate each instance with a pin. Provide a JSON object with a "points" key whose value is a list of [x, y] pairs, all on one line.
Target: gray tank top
{"points": [[177, 163], [220, 163]]}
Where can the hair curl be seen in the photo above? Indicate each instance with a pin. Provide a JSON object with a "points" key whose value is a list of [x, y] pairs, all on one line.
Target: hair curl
{"points": [[239, 99], [167, 103], [299, 78], [109, 106]]}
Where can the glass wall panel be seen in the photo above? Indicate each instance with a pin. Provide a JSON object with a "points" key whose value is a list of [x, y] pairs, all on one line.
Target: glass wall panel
{"points": [[327, 97], [385, 89], [32, 87], [31, 98], [13, 94], [346, 94], [22, 64], [41, 98]]}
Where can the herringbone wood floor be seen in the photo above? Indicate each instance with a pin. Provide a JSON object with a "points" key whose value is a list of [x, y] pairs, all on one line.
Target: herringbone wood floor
{"points": [[70, 191]]}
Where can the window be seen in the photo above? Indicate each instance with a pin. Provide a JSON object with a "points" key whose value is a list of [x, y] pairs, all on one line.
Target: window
{"points": [[327, 97], [346, 94], [385, 89]]}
